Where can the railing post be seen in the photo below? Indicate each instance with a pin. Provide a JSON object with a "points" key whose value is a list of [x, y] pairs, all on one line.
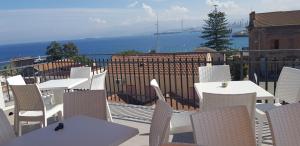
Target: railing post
{"points": [[2, 103], [266, 75], [241, 65]]}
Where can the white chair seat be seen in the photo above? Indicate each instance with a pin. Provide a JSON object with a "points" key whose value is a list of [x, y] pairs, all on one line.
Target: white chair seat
{"points": [[181, 122], [50, 110], [30, 113]]}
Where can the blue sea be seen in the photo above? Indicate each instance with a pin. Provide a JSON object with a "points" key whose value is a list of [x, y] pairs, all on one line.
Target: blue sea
{"points": [[181, 42]]}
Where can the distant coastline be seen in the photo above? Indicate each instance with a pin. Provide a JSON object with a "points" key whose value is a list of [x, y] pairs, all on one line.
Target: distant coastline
{"points": [[175, 42]]}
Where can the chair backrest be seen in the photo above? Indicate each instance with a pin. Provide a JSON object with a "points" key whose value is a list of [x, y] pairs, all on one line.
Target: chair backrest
{"points": [[6, 130], [16, 80], [89, 103], [215, 101], [215, 73], [160, 124], [158, 92], [284, 124], [255, 78], [82, 72], [28, 97], [288, 85], [98, 81], [229, 126]]}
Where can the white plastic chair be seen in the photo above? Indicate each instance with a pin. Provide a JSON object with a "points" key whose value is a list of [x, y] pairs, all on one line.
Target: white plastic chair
{"points": [[287, 90], [16, 80], [214, 101], [284, 125], [230, 126], [159, 129], [6, 131], [88, 103], [98, 83], [180, 122], [82, 72], [30, 106], [215, 73], [255, 78], [19, 80]]}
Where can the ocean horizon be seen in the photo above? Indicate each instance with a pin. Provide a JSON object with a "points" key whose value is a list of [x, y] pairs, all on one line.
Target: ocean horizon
{"points": [[180, 42]]}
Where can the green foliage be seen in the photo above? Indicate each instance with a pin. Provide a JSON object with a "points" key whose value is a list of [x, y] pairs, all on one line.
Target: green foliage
{"points": [[130, 52], [9, 70], [216, 31], [70, 50], [235, 69], [82, 59], [54, 51]]}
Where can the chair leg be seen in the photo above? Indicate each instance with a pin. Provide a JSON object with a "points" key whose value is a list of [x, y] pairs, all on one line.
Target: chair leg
{"points": [[16, 121], [45, 122], [19, 128], [60, 116]]}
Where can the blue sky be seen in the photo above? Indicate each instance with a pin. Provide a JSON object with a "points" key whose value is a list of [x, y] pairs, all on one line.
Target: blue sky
{"points": [[46, 20]]}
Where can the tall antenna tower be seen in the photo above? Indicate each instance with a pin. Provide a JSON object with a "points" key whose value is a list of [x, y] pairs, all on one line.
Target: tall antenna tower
{"points": [[181, 25], [157, 34]]}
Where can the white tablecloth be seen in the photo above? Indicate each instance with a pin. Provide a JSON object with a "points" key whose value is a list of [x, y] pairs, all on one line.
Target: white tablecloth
{"points": [[234, 87], [78, 131], [58, 87]]}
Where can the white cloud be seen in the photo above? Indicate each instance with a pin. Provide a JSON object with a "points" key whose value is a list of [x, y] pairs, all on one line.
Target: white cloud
{"points": [[97, 20], [133, 4], [179, 9], [222, 4], [175, 13], [279, 5], [149, 10]]}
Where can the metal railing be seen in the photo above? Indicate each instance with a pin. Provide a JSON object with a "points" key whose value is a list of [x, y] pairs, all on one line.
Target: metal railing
{"points": [[128, 78]]}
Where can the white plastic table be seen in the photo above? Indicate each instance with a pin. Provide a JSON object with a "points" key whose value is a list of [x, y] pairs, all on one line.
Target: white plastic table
{"points": [[78, 131], [58, 86], [234, 87]]}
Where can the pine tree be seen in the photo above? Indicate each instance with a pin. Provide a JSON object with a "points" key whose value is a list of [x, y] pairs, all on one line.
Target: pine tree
{"points": [[54, 51], [216, 31]]}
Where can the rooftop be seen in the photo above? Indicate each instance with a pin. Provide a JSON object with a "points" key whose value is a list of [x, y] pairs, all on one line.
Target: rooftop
{"points": [[280, 18]]}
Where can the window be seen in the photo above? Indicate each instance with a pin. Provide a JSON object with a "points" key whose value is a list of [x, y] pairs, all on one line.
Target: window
{"points": [[276, 44]]}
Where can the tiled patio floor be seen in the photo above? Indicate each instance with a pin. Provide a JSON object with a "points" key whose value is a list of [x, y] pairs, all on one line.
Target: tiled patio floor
{"points": [[139, 117]]}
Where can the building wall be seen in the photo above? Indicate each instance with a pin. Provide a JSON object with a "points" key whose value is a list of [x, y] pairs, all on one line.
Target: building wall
{"points": [[263, 39], [288, 37]]}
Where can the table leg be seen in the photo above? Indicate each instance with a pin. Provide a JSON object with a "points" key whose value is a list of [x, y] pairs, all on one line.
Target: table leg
{"points": [[58, 96]]}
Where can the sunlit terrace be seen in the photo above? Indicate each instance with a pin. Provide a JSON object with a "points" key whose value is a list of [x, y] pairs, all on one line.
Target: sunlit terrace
{"points": [[201, 84]]}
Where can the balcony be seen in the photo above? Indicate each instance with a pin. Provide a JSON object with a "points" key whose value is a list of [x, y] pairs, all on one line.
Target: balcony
{"points": [[128, 81]]}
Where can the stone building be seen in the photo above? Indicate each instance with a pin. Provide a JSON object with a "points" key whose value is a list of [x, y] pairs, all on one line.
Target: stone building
{"points": [[273, 36], [275, 31]]}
